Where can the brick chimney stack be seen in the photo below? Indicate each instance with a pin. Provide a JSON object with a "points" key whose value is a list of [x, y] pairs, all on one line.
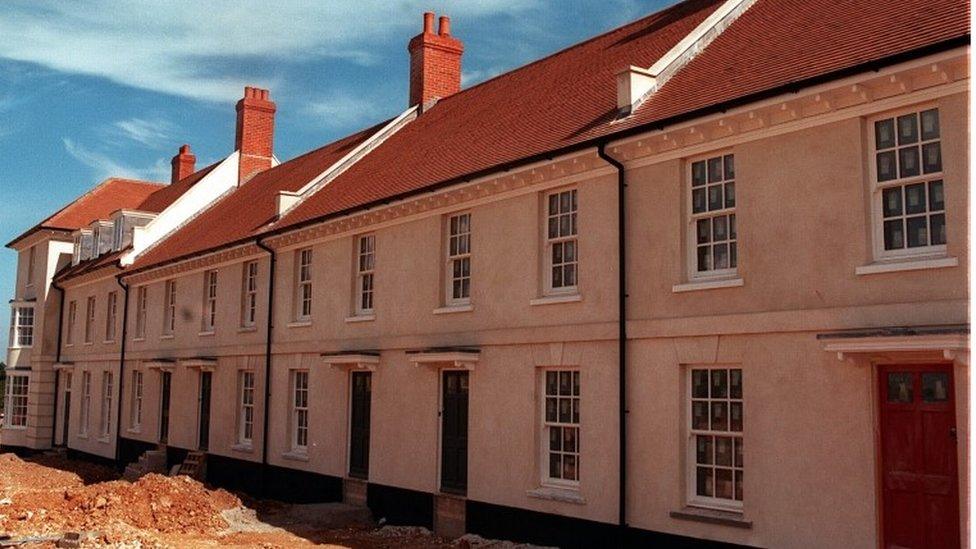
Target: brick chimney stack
{"points": [[255, 132], [435, 62], [183, 164]]}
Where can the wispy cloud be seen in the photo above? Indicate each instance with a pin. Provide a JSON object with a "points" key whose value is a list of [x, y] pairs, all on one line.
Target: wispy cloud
{"points": [[104, 166], [178, 48], [152, 133], [343, 111]]}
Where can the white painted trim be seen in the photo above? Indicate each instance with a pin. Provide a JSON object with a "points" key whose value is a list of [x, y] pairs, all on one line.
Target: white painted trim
{"points": [[446, 359], [453, 309], [554, 299], [947, 344], [360, 318], [562, 495], [707, 285], [296, 324], [908, 265], [352, 362]]}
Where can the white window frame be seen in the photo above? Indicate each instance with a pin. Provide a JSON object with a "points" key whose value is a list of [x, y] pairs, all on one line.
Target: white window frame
{"points": [[209, 314], [245, 421], [303, 284], [15, 405], [169, 307], [732, 239], [22, 326], [117, 232], [85, 420], [31, 266], [457, 264], [90, 320], [111, 316], [299, 411], [106, 409], [560, 240], [141, 303], [249, 295], [69, 338], [877, 188], [365, 254], [135, 411], [694, 499], [548, 425]]}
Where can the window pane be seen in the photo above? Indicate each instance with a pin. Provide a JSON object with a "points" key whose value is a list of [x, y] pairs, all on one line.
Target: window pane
{"points": [[908, 162], [723, 451], [565, 199], [735, 416], [732, 226], [733, 255], [720, 416], [704, 230], [551, 383], [576, 383], [720, 385], [551, 410], [735, 383], [915, 198], [884, 134], [729, 166], [553, 227], [698, 200], [738, 485], [738, 452], [553, 204], [918, 231], [569, 467], [720, 228], [555, 466], [886, 166], [703, 450], [704, 258], [907, 129], [699, 415], [699, 383], [930, 124], [936, 200], [938, 229], [565, 410], [730, 195], [935, 387], [703, 484], [554, 439], [721, 256], [698, 173], [894, 236], [576, 411], [569, 440], [891, 201], [714, 170], [715, 197], [900, 387], [565, 382], [931, 158], [723, 483]]}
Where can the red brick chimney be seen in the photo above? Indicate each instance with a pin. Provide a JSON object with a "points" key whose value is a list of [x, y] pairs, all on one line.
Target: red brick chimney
{"points": [[255, 132], [183, 164], [435, 62]]}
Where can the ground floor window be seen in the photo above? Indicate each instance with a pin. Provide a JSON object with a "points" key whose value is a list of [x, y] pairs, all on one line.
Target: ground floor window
{"points": [[300, 411], [246, 421], [135, 417], [15, 403], [106, 422], [562, 426], [715, 437], [85, 403]]}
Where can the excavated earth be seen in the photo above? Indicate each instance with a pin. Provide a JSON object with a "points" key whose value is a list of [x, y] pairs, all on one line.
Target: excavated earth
{"points": [[46, 496]]}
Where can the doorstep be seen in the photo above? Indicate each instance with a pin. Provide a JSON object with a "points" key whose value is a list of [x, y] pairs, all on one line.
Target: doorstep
{"points": [[354, 491], [450, 515]]}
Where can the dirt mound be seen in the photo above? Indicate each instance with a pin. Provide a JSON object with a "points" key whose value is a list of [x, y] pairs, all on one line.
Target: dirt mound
{"points": [[154, 503], [14, 471]]}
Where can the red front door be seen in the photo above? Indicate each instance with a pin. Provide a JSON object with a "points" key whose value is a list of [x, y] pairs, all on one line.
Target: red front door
{"points": [[918, 457]]}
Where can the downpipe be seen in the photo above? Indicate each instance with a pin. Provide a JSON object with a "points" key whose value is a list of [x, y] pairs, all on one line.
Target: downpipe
{"points": [[123, 334], [267, 360]]}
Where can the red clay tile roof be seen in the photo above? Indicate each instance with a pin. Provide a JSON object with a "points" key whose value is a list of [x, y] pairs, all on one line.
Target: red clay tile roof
{"points": [[252, 206], [107, 197], [159, 200], [568, 99]]}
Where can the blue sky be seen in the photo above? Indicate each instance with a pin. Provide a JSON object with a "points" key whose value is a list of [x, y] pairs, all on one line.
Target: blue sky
{"points": [[101, 88]]}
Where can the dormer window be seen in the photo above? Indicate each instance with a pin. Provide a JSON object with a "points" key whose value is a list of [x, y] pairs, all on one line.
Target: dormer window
{"points": [[123, 224], [102, 235], [83, 246], [118, 233]]}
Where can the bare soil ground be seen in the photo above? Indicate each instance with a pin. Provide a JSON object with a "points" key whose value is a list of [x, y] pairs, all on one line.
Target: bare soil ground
{"points": [[50, 495]]}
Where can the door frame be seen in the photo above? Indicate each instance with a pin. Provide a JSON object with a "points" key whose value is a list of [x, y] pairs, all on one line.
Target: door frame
{"points": [[66, 381], [876, 393], [349, 424], [440, 428], [166, 404], [200, 408]]}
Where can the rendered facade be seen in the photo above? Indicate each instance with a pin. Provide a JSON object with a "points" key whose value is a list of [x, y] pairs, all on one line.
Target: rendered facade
{"points": [[674, 284]]}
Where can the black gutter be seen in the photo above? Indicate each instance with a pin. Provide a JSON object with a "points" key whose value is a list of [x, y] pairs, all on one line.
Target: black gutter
{"points": [[267, 356], [790, 87], [622, 331], [125, 326], [57, 360]]}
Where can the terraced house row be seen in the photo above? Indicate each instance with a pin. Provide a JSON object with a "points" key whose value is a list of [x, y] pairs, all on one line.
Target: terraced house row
{"points": [[701, 279]]}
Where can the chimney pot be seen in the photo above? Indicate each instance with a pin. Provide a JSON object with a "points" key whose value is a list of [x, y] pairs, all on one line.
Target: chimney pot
{"points": [[255, 132], [429, 22], [183, 164], [444, 26]]}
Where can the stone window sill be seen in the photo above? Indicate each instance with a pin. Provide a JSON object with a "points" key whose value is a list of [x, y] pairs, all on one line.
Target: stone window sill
{"points": [[300, 324], [206, 333], [104, 440], [138, 339], [89, 343], [551, 493], [244, 448], [245, 329], [453, 309], [108, 342], [167, 336], [295, 456], [15, 427], [907, 265], [710, 516], [707, 285], [134, 430], [83, 436], [361, 318], [554, 299]]}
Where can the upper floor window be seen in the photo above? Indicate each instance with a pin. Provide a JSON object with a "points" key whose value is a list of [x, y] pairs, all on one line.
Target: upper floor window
{"points": [[31, 263], [141, 298], [304, 280], [458, 274], [111, 316], [249, 294], [715, 437], [90, 319], [16, 400], [712, 217], [562, 246], [562, 426], [909, 203], [209, 300], [365, 268], [22, 327], [169, 308], [69, 337]]}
